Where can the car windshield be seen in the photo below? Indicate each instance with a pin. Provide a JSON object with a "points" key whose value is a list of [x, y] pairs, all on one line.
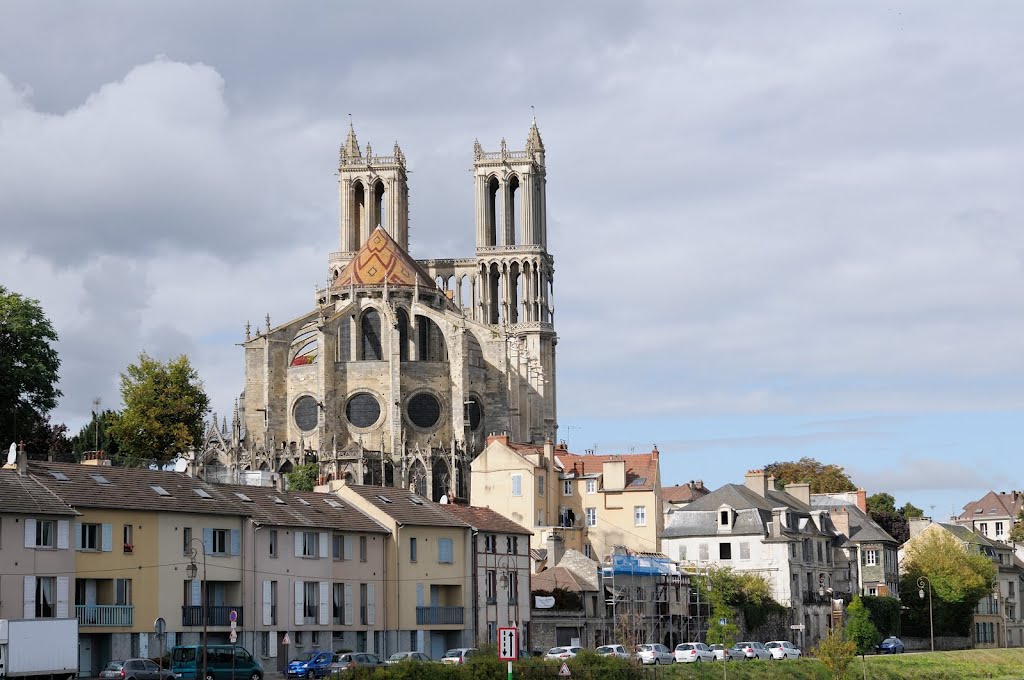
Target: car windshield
{"points": [[451, 653], [557, 650], [741, 645], [890, 640], [307, 656], [682, 647], [398, 657]]}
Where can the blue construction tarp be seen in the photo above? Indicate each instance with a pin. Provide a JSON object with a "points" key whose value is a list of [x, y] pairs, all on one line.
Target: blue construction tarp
{"points": [[640, 566]]}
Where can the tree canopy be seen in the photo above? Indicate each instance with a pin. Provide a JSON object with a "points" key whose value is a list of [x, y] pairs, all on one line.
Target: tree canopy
{"points": [[859, 629], [28, 366], [1017, 532], [164, 406], [303, 477], [882, 508], [823, 478], [96, 435]]}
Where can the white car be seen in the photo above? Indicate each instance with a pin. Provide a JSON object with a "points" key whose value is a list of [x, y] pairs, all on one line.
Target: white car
{"points": [[693, 652], [782, 649], [653, 654], [562, 653], [612, 650], [752, 650], [458, 655]]}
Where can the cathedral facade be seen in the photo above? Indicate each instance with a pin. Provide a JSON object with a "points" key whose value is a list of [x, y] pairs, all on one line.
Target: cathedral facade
{"points": [[402, 367]]}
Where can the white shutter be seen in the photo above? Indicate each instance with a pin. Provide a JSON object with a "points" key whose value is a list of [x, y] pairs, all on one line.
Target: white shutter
{"points": [[348, 547], [108, 537], [273, 643], [62, 597], [197, 594], [298, 544], [325, 545], [348, 604], [30, 593], [267, 618], [63, 526], [371, 612], [300, 603], [325, 595], [30, 537], [78, 535]]}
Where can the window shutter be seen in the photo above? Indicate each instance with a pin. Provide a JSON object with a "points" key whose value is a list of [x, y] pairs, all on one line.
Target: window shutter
{"points": [[419, 594], [236, 542], [273, 643], [78, 535], [300, 603], [325, 598], [298, 544], [30, 542], [30, 592], [266, 604], [208, 540], [348, 604], [325, 545], [348, 548], [62, 596], [371, 611], [108, 537], [63, 526], [197, 592]]}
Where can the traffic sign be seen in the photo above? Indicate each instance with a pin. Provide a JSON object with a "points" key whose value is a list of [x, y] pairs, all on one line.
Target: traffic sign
{"points": [[233, 638], [564, 670], [233, 616], [508, 644], [286, 640], [797, 626]]}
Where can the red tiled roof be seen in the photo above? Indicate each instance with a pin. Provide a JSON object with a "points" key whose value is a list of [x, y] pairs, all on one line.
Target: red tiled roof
{"points": [[639, 466], [484, 519], [683, 493], [994, 504]]}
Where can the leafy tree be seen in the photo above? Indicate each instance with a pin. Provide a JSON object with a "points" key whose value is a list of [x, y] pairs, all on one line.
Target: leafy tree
{"points": [[164, 405], [895, 524], [1017, 532], [721, 633], [884, 613], [28, 366], [823, 478], [96, 435], [303, 477], [911, 511], [881, 502], [859, 628], [835, 653], [46, 441]]}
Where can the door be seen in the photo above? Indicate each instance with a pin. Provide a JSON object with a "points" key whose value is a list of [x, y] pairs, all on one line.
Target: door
{"points": [[85, 668], [437, 646]]}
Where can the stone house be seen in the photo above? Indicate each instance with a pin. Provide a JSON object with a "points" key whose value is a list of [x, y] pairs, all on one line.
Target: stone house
{"points": [[867, 551]]}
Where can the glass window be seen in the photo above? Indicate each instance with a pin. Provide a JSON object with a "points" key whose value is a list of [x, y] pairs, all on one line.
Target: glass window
{"points": [[640, 515], [517, 485], [89, 536], [46, 591], [412, 548], [591, 486], [444, 551], [567, 487], [220, 542], [362, 548], [45, 536], [186, 538], [129, 544], [591, 517], [309, 543]]}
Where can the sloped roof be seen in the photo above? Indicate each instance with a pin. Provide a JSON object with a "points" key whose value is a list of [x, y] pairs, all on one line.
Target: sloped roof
{"points": [[559, 577], [683, 493], [25, 495], [382, 258], [994, 504], [862, 527], [580, 565], [641, 468], [753, 513], [406, 507], [303, 509], [484, 519]]}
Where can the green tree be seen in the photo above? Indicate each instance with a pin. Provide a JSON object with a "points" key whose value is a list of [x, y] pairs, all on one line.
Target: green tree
{"points": [[28, 366], [911, 511], [1017, 531], [859, 628], [303, 477], [884, 612], [881, 502], [823, 478], [47, 441], [721, 633], [835, 653], [164, 405], [96, 435]]}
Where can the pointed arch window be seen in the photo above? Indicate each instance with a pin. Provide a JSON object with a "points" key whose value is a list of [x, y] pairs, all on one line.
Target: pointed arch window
{"points": [[305, 346], [369, 336]]}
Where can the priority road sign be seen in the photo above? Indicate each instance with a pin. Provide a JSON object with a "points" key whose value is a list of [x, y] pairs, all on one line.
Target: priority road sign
{"points": [[508, 644]]}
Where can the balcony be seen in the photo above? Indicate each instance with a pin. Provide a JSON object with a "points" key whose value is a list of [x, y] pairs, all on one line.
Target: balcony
{"points": [[439, 616], [105, 614], [192, 615]]}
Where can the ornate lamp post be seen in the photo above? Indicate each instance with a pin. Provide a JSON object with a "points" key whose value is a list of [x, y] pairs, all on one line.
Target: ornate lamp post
{"points": [[921, 581], [190, 572], [507, 566]]}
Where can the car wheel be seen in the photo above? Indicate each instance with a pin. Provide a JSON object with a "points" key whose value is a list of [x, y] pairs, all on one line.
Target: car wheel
{"points": [[255, 676], [209, 675], [698, 659]]}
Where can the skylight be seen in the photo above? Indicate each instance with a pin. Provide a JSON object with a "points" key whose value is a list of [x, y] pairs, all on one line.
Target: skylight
{"points": [[333, 503], [416, 499], [202, 494], [639, 481], [243, 497], [278, 500], [100, 479], [304, 501], [385, 499], [160, 491], [59, 476]]}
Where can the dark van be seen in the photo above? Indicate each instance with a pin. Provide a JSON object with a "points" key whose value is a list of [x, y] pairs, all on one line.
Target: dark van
{"points": [[187, 663]]}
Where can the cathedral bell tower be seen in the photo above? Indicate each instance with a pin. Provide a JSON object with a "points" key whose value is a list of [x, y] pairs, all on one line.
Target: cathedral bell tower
{"points": [[372, 191]]}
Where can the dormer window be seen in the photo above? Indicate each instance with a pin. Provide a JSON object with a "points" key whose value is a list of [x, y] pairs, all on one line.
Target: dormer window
{"points": [[726, 518], [723, 518]]}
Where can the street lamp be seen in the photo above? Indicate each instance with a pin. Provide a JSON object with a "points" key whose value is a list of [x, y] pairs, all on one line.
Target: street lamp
{"points": [[190, 572], [921, 581], [506, 565]]}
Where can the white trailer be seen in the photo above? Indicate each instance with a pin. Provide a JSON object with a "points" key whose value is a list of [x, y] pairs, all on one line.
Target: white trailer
{"points": [[38, 648]]}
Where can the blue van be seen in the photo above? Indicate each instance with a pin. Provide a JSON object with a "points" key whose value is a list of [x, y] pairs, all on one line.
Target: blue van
{"points": [[221, 660]]}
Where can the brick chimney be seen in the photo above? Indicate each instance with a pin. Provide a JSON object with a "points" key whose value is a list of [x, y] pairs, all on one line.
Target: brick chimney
{"points": [[801, 492], [756, 481], [502, 438], [841, 520], [556, 548], [862, 500], [776, 522]]}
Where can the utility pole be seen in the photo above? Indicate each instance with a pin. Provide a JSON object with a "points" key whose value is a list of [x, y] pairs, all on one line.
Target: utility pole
{"points": [[96, 418]]}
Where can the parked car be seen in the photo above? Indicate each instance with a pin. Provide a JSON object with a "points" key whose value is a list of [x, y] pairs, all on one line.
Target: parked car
{"points": [[399, 657], [458, 655], [653, 654], [890, 645], [693, 652], [112, 671], [349, 660], [782, 649], [723, 653], [562, 652], [312, 664], [612, 650], [222, 663], [752, 650], [142, 669]]}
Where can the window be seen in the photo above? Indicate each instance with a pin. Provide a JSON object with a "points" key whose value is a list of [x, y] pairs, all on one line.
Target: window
{"points": [[819, 550], [744, 550], [362, 548], [999, 529], [46, 536], [702, 551], [588, 551], [129, 544], [513, 587], [640, 515], [723, 518], [311, 600], [517, 485], [872, 591], [591, 486], [337, 547], [512, 545], [273, 603], [540, 517], [871, 557], [46, 591], [492, 586], [591, 517], [338, 603], [682, 552], [490, 543], [89, 536], [265, 644], [567, 487], [444, 551], [540, 485], [491, 631], [123, 591], [186, 538], [725, 551], [983, 528], [272, 543], [362, 603], [220, 542], [309, 543], [412, 549]]}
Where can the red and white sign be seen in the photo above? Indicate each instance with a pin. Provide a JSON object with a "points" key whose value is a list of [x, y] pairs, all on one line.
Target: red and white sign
{"points": [[508, 644], [564, 670]]}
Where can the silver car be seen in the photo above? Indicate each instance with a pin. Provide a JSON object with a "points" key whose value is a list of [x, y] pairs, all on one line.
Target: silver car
{"points": [[723, 653], [612, 650], [559, 653], [399, 657], [693, 652], [653, 654], [752, 650], [782, 649]]}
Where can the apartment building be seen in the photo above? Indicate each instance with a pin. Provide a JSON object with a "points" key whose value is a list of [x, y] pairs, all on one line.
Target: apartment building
{"points": [[993, 515], [866, 560]]}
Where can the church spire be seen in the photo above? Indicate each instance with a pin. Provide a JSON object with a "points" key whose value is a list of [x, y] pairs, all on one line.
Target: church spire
{"points": [[351, 148], [533, 140]]}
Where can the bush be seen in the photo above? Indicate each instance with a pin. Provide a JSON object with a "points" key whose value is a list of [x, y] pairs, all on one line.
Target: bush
{"points": [[835, 653]]}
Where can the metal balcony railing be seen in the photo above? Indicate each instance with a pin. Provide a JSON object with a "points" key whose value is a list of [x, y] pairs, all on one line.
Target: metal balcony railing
{"points": [[192, 615], [428, 616], [105, 614]]}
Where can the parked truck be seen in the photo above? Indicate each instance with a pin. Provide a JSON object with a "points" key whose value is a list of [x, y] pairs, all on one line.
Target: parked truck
{"points": [[38, 649]]}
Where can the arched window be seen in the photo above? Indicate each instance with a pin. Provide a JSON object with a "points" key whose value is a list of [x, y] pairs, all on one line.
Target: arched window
{"points": [[369, 337], [357, 218], [430, 344], [491, 212], [304, 346], [513, 223], [403, 335], [380, 204]]}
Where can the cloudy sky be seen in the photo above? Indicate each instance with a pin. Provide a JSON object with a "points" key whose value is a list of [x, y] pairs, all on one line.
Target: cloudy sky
{"points": [[780, 229]]}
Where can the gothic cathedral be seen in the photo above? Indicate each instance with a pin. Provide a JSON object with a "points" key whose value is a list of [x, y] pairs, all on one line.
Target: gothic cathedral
{"points": [[403, 366]]}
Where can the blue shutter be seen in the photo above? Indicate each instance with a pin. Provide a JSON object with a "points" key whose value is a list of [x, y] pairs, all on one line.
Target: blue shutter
{"points": [[236, 542], [108, 537], [208, 541]]}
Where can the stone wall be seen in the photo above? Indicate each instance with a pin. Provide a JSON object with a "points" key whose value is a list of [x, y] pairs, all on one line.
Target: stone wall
{"points": [[942, 642]]}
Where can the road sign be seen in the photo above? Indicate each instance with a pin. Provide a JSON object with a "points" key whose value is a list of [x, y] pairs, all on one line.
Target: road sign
{"points": [[159, 626], [233, 616], [564, 670], [797, 626], [233, 638], [508, 644], [721, 621], [286, 640]]}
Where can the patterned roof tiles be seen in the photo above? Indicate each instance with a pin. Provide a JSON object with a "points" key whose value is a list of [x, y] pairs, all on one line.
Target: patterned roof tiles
{"points": [[382, 258]]}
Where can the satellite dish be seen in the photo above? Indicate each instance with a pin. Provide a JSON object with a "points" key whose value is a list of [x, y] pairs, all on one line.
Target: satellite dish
{"points": [[180, 465], [444, 500], [12, 454]]}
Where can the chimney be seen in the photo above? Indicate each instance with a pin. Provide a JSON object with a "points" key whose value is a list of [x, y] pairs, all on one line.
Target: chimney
{"points": [[699, 484], [501, 438], [22, 460], [862, 500], [756, 481], [919, 524], [556, 548], [801, 492], [773, 484], [841, 520], [654, 452], [776, 522]]}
